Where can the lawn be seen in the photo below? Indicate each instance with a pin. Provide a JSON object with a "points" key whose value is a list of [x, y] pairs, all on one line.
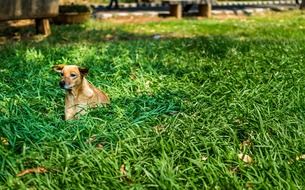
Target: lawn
{"points": [[216, 104]]}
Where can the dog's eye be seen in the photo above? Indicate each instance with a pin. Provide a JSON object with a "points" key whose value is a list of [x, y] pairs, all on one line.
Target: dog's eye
{"points": [[73, 75], [61, 74]]}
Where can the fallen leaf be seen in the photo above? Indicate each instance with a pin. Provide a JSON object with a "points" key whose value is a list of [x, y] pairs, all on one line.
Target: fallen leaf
{"points": [[124, 176], [109, 37], [204, 158], [159, 129], [32, 170], [4, 141], [244, 144], [247, 143], [302, 157], [245, 158], [123, 170], [99, 146]]}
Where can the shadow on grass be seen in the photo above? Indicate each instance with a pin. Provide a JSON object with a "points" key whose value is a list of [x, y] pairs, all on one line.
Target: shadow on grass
{"points": [[73, 37], [202, 88], [32, 99], [63, 34], [80, 34]]}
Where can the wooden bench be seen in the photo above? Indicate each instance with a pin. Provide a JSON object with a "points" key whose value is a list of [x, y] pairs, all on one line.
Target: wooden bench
{"points": [[176, 7], [40, 10]]}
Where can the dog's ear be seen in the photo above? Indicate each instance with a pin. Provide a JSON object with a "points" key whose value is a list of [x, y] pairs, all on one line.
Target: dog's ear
{"points": [[83, 71], [58, 68]]}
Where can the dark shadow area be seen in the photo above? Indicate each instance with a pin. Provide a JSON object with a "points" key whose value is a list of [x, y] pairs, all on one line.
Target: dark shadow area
{"points": [[17, 30], [24, 30]]}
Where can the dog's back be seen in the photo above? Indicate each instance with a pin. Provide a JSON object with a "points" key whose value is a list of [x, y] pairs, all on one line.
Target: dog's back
{"points": [[100, 96]]}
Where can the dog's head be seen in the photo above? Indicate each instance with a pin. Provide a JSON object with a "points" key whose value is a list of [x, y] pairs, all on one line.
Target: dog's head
{"points": [[71, 75]]}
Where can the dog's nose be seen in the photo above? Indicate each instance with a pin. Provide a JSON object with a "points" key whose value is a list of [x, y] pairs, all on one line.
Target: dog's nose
{"points": [[62, 84]]}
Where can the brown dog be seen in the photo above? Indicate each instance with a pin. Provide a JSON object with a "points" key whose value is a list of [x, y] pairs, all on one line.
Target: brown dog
{"points": [[80, 94]]}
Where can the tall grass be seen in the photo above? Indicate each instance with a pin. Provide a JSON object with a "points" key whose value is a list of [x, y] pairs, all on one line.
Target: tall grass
{"points": [[183, 107]]}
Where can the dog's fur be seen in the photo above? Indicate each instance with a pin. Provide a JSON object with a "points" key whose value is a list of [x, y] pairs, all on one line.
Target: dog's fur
{"points": [[80, 94]]}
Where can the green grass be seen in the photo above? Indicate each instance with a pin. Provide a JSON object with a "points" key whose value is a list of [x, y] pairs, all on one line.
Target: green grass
{"points": [[181, 106]]}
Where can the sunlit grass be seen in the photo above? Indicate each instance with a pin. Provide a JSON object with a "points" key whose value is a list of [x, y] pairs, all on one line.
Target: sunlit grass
{"points": [[183, 106]]}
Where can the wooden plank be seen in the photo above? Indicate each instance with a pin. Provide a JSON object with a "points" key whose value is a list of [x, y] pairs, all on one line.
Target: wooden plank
{"points": [[176, 10], [205, 10], [43, 26]]}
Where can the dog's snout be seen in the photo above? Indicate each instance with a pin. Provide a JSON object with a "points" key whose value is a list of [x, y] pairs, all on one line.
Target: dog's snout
{"points": [[62, 84]]}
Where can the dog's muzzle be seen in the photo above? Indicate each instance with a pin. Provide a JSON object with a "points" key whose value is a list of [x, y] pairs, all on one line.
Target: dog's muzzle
{"points": [[62, 84]]}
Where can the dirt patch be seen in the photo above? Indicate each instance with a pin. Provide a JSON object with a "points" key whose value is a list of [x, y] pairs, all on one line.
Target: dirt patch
{"points": [[145, 19], [226, 17], [136, 19]]}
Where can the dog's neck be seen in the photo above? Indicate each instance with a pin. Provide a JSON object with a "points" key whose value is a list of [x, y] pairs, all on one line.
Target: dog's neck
{"points": [[84, 89]]}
